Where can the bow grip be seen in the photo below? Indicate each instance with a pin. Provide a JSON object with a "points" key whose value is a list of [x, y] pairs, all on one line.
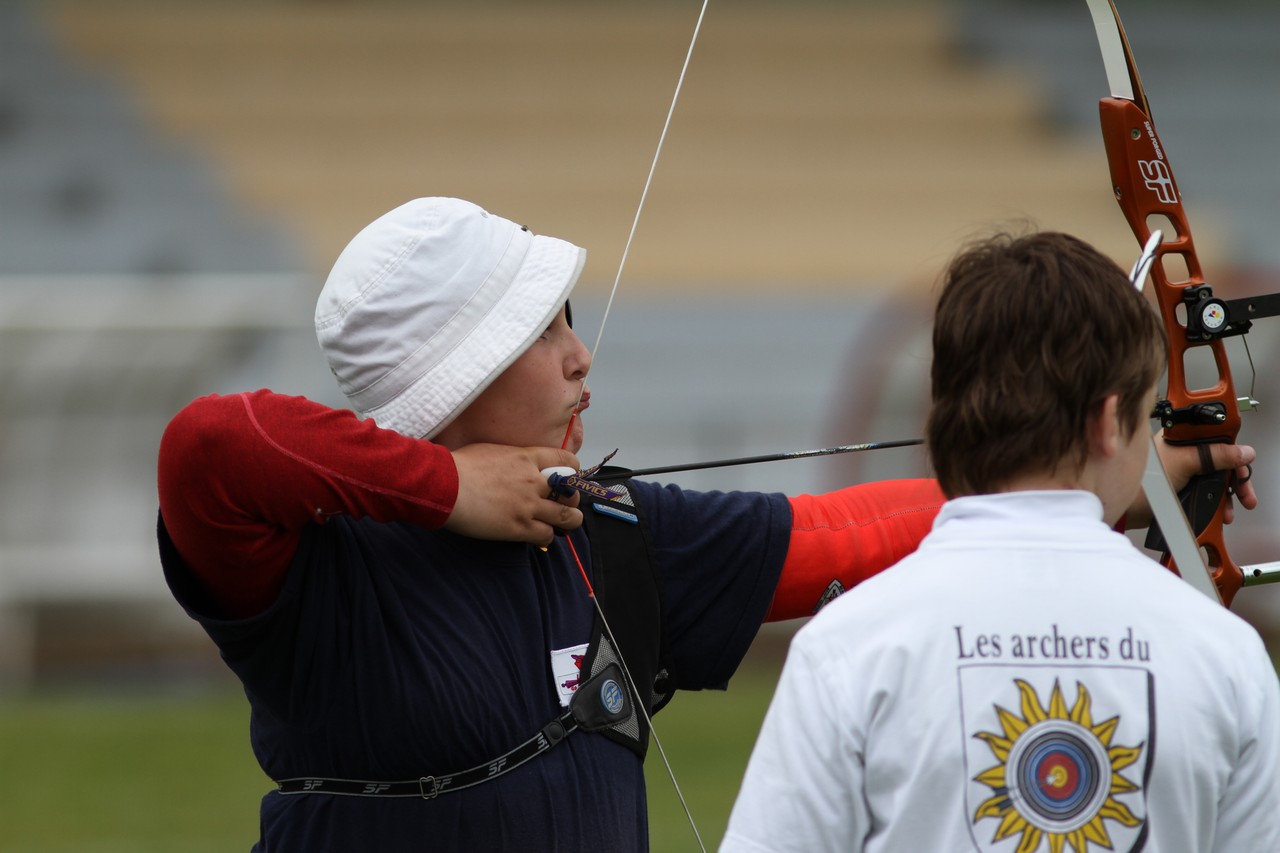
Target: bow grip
{"points": [[1204, 500]]}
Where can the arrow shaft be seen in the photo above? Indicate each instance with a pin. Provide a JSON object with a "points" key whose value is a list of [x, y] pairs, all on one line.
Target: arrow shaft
{"points": [[768, 457]]}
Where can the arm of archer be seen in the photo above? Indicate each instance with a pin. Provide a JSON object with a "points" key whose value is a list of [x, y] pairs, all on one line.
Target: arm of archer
{"points": [[841, 538]]}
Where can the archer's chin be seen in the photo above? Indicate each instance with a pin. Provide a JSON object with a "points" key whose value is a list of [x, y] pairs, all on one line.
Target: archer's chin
{"points": [[577, 436]]}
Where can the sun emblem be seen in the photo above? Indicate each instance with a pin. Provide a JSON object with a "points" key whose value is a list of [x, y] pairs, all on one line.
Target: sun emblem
{"points": [[1058, 776]]}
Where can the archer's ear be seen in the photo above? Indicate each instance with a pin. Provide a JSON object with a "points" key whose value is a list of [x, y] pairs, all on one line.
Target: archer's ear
{"points": [[1103, 424]]}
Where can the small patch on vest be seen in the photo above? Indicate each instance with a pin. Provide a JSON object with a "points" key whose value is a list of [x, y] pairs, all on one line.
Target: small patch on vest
{"points": [[614, 512], [566, 668], [833, 591]]}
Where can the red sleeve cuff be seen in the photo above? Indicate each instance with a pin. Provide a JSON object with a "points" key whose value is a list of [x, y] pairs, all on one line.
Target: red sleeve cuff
{"points": [[841, 538]]}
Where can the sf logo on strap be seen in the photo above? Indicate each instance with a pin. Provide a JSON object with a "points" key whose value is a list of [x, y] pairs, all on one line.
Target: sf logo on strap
{"points": [[602, 700], [612, 697]]}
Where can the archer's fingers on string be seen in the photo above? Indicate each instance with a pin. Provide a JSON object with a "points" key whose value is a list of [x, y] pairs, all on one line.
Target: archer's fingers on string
{"points": [[541, 535], [559, 516], [561, 494], [569, 518]]}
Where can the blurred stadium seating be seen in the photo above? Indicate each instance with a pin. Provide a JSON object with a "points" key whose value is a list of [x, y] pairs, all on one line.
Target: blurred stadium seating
{"points": [[175, 178]]}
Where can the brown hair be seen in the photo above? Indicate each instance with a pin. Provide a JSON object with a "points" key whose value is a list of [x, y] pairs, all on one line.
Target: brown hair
{"points": [[1030, 334]]}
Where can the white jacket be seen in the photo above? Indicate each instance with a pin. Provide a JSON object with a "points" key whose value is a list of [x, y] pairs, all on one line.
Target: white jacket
{"points": [[1026, 678]]}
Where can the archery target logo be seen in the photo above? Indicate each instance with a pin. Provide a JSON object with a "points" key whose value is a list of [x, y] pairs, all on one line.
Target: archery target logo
{"points": [[1058, 770], [1053, 771]]}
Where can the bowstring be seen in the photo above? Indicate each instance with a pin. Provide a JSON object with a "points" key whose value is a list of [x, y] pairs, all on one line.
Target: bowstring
{"points": [[644, 193], [642, 702]]}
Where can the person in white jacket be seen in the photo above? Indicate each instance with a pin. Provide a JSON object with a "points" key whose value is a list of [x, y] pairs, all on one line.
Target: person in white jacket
{"points": [[1027, 680]]}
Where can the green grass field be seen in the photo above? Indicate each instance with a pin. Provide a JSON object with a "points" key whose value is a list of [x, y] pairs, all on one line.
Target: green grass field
{"points": [[138, 773], [89, 774], [83, 773]]}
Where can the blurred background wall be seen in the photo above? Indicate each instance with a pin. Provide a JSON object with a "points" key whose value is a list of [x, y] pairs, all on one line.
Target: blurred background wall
{"points": [[177, 177]]}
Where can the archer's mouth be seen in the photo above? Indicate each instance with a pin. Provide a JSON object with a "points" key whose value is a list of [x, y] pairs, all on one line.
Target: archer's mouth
{"points": [[584, 403]]}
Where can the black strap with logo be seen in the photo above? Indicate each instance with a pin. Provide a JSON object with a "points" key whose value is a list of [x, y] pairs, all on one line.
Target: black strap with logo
{"points": [[599, 702], [629, 591]]}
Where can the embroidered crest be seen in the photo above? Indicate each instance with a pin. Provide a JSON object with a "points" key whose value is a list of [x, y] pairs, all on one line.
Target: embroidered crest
{"points": [[1051, 775]]}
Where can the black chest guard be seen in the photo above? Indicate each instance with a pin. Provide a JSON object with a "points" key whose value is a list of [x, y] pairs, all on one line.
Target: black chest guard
{"points": [[628, 591]]}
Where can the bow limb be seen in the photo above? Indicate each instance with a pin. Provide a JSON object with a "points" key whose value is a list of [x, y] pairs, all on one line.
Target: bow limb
{"points": [[1148, 196]]}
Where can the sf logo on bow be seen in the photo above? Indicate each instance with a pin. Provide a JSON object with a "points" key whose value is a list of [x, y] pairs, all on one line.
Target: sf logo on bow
{"points": [[1156, 176]]}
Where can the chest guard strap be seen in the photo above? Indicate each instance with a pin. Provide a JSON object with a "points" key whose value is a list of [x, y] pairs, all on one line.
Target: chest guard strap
{"points": [[629, 592]]}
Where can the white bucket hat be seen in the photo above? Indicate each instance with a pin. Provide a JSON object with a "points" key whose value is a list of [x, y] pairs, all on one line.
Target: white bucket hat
{"points": [[429, 303]]}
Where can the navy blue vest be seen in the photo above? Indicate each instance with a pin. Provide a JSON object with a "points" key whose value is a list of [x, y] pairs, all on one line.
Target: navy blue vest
{"points": [[395, 652]]}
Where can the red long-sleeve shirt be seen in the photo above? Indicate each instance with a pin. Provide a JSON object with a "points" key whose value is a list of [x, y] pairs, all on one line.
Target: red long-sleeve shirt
{"points": [[241, 476]]}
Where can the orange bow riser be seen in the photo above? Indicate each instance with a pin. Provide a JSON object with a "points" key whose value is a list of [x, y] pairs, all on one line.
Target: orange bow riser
{"points": [[1148, 195]]}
